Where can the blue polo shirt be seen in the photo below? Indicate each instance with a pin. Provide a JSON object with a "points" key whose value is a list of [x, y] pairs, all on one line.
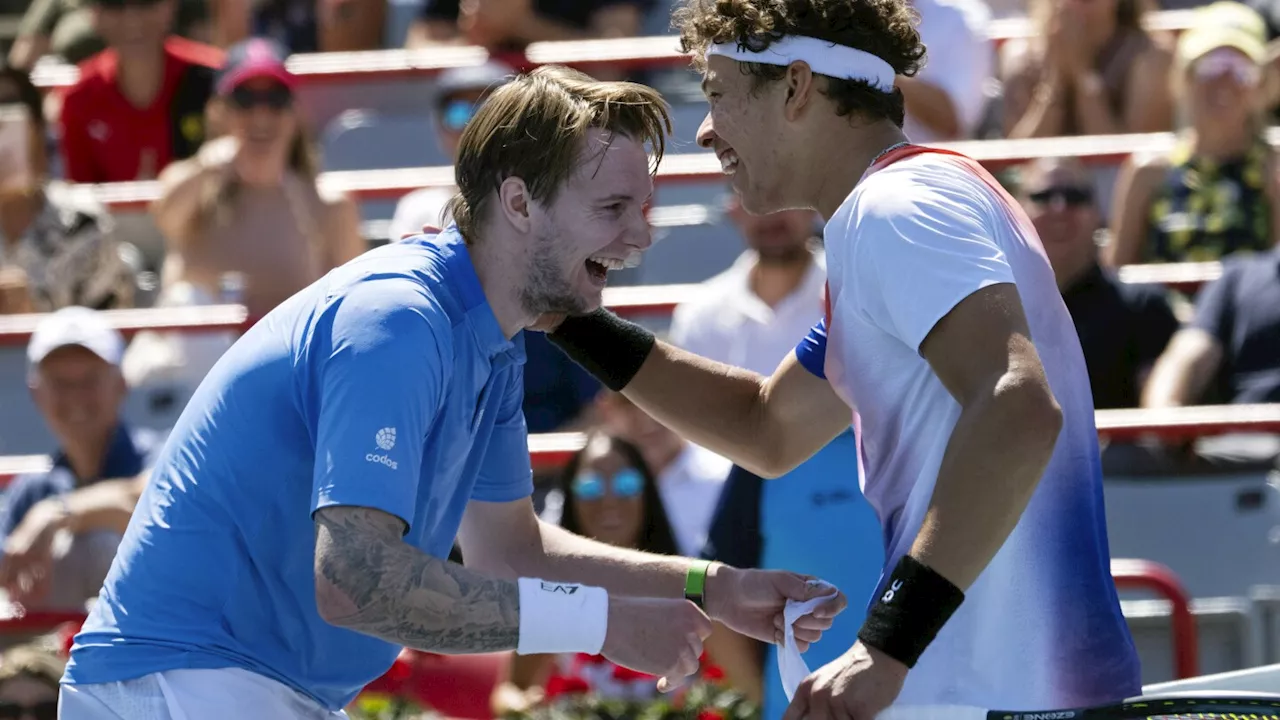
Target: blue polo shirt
{"points": [[386, 384], [128, 454]]}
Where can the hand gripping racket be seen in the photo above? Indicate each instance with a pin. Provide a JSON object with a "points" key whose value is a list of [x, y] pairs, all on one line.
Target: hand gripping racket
{"points": [[1172, 706]]}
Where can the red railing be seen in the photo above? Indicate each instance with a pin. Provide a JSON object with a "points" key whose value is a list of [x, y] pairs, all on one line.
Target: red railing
{"points": [[692, 167], [18, 619], [17, 329], [1154, 577], [552, 450], [631, 53]]}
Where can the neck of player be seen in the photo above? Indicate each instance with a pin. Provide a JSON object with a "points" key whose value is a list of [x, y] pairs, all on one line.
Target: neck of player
{"points": [[501, 270], [841, 164]]}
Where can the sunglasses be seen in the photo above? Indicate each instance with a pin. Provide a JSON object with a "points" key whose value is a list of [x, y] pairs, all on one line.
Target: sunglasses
{"points": [[626, 484], [47, 710], [455, 114], [1070, 196], [276, 97], [1225, 62]]}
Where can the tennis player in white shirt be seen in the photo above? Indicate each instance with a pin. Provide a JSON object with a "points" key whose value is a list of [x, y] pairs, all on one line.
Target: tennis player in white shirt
{"points": [[945, 335]]}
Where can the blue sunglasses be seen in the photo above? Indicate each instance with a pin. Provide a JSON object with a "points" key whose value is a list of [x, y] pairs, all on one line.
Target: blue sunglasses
{"points": [[455, 114], [626, 484]]}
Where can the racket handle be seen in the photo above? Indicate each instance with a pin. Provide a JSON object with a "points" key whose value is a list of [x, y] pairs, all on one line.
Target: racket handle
{"points": [[932, 712]]}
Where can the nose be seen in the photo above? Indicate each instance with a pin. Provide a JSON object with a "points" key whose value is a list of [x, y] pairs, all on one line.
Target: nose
{"points": [[263, 114], [640, 234], [706, 133]]}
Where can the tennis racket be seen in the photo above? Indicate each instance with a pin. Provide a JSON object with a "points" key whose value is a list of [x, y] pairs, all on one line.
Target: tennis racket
{"points": [[1181, 706]]}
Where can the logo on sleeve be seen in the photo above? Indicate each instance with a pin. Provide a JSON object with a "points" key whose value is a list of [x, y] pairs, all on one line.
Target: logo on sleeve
{"points": [[385, 439]]}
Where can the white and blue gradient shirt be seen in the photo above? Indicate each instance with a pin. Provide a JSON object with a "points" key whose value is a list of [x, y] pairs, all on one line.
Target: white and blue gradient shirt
{"points": [[1042, 627]]}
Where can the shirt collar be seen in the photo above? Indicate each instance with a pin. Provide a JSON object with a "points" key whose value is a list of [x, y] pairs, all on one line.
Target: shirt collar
{"points": [[750, 304], [123, 459], [466, 284], [110, 68]]}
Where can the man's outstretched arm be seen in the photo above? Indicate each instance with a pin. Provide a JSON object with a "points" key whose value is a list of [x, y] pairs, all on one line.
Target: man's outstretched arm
{"points": [[768, 425]]}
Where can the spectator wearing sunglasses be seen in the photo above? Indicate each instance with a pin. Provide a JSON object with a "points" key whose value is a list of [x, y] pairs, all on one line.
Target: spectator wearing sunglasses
{"points": [[1123, 328], [29, 676], [139, 104], [249, 206], [1215, 193], [689, 477], [610, 495]]}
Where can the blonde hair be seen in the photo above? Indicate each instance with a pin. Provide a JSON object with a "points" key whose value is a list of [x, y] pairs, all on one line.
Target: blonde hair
{"points": [[534, 128]]}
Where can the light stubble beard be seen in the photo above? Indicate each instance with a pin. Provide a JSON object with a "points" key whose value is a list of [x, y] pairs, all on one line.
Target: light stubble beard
{"points": [[546, 289]]}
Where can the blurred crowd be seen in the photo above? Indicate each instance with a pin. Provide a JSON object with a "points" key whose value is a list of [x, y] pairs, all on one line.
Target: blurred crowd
{"points": [[198, 96]]}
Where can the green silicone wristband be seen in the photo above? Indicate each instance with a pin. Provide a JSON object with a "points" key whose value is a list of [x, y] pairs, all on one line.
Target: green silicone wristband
{"points": [[695, 583]]}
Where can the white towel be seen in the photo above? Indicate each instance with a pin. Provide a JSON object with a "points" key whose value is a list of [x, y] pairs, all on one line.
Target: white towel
{"points": [[791, 665]]}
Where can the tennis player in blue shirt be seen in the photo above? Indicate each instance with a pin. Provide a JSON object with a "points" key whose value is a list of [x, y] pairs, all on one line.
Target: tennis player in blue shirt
{"points": [[293, 536]]}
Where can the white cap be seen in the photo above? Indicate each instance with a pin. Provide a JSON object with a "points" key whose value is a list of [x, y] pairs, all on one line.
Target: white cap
{"points": [[76, 326]]}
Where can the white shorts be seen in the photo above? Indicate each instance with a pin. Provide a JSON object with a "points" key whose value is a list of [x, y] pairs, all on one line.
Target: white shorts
{"points": [[191, 695]]}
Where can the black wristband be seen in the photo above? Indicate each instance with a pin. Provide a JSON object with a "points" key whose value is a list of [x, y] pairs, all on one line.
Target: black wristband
{"points": [[605, 345], [915, 605]]}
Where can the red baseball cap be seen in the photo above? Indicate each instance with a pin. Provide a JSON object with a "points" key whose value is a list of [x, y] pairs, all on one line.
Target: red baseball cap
{"points": [[251, 59]]}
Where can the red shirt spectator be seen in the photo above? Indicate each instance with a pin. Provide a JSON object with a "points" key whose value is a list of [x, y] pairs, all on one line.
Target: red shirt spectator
{"points": [[107, 138]]}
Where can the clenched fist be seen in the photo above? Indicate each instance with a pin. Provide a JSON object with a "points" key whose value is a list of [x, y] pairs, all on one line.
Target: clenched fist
{"points": [[656, 636]]}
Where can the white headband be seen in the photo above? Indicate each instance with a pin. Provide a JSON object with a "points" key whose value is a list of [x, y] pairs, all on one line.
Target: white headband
{"points": [[823, 57]]}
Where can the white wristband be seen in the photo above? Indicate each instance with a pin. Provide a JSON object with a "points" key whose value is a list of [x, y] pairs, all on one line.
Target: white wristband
{"points": [[561, 618]]}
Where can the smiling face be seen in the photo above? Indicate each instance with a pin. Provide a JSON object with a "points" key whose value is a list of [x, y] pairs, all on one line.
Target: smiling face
{"points": [[262, 116], [593, 223], [745, 128], [1222, 87], [608, 495], [78, 393]]}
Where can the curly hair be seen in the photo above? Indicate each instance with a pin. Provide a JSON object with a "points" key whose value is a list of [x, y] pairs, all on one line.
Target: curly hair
{"points": [[884, 28]]}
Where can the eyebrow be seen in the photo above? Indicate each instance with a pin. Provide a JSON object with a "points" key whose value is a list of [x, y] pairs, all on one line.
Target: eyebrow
{"points": [[618, 197]]}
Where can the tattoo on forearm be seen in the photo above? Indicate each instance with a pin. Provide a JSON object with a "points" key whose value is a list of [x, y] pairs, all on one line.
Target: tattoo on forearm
{"points": [[369, 580]]}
